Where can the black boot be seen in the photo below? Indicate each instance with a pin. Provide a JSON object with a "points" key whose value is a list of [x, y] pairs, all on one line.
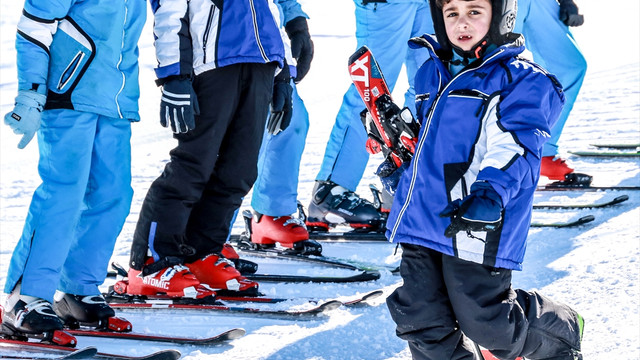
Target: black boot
{"points": [[85, 309], [332, 205], [29, 315]]}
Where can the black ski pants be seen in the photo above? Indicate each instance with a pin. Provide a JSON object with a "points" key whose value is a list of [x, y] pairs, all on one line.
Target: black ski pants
{"points": [[188, 210], [444, 302]]}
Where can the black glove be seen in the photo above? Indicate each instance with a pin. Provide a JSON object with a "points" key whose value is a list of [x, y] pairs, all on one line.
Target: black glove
{"points": [[481, 210], [569, 13], [301, 45], [178, 105], [281, 107]]}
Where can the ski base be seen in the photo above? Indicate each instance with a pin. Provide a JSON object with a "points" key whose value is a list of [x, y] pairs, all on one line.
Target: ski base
{"points": [[228, 335], [64, 352], [595, 205], [605, 153], [581, 221]]}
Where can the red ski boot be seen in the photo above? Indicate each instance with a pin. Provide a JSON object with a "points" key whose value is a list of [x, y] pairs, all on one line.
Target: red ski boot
{"points": [[217, 272], [171, 282], [290, 232], [554, 168], [242, 265]]}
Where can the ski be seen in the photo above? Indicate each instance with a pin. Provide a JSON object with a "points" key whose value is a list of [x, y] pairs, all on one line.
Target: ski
{"points": [[228, 335], [312, 312], [581, 221], [84, 353], [65, 352], [361, 299], [390, 130], [365, 272], [616, 146], [606, 153], [569, 187], [595, 205]]}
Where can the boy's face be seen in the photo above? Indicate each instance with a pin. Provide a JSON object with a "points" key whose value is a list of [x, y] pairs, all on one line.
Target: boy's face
{"points": [[467, 21]]}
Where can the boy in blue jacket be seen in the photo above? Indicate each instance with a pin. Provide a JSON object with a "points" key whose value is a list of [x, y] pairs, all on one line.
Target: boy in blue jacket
{"points": [[463, 205], [78, 89]]}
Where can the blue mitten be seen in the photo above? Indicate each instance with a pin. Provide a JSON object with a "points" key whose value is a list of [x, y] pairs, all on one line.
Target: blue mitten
{"points": [[390, 174], [481, 210], [26, 115]]}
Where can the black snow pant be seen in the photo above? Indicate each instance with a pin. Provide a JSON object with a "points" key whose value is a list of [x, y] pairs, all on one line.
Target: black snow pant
{"points": [[445, 302], [188, 210]]}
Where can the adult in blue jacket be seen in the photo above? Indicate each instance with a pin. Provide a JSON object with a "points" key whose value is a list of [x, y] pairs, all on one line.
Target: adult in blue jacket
{"points": [[545, 26], [78, 89], [463, 205], [222, 56], [384, 26]]}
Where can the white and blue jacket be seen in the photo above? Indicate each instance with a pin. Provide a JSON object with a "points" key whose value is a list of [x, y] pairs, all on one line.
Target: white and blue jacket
{"points": [[81, 52], [193, 36], [487, 123]]}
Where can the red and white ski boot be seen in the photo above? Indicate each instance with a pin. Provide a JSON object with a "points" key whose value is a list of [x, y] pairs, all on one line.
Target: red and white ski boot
{"points": [[217, 272], [554, 168], [288, 231], [171, 282]]}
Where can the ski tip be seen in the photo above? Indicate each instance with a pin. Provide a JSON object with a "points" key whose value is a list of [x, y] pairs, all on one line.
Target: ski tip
{"points": [[162, 355], [356, 55], [619, 199], [586, 219], [372, 295], [84, 353], [233, 334], [329, 305]]}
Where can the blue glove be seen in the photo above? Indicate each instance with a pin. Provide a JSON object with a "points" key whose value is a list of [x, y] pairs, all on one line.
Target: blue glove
{"points": [[569, 13], [301, 45], [281, 108], [481, 210], [178, 105], [26, 115], [390, 174]]}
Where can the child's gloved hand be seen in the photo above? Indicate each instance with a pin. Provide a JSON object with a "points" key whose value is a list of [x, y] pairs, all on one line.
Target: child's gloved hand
{"points": [[569, 13], [390, 174], [281, 107], [178, 105], [301, 45], [26, 115], [481, 210]]}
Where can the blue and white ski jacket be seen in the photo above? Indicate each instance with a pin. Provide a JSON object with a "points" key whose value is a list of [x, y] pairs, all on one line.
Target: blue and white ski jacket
{"points": [[487, 123], [193, 36], [86, 52]]}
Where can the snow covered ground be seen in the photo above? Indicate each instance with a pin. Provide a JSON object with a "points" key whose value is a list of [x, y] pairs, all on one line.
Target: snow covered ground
{"points": [[595, 268]]}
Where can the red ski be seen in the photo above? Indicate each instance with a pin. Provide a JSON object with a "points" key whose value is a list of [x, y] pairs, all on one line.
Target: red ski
{"points": [[391, 130]]}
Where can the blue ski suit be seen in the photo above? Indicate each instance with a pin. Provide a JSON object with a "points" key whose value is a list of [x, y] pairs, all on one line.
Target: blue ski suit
{"points": [[86, 53], [488, 123], [554, 48], [384, 28], [275, 191]]}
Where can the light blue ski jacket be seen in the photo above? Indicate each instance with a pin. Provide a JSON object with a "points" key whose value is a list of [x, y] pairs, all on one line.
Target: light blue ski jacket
{"points": [[80, 51], [487, 123]]}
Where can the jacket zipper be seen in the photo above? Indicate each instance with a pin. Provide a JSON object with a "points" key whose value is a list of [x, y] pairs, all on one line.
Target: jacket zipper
{"points": [[124, 79], [255, 30], [68, 73], [205, 37], [416, 156]]}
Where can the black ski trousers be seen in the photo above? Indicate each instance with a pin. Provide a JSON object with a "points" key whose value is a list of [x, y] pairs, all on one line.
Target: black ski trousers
{"points": [[188, 210], [445, 302]]}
